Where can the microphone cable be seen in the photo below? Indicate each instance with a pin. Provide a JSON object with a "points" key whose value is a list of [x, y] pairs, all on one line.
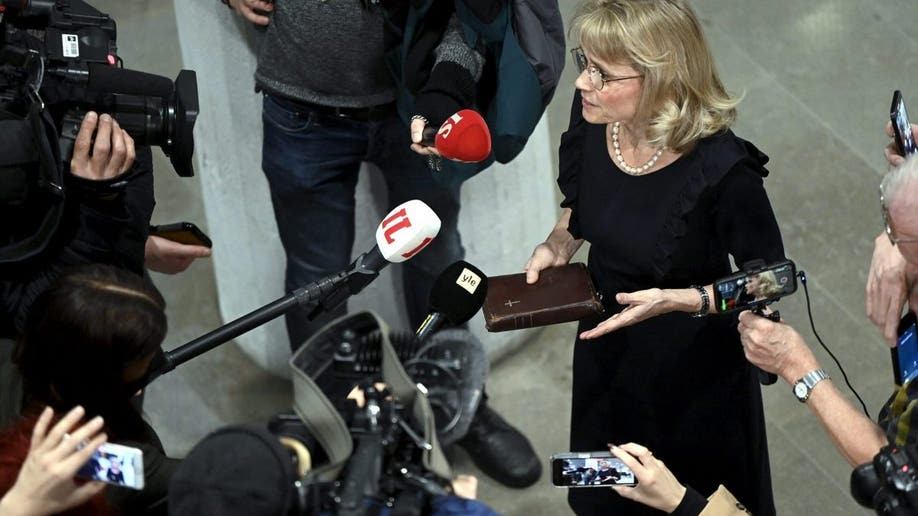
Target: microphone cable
{"points": [[809, 312]]}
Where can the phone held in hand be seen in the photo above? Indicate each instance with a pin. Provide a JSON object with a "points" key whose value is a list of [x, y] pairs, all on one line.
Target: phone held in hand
{"points": [[590, 469], [902, 128], [905, 354], [183, 233], [115, 464], [750, 290]]}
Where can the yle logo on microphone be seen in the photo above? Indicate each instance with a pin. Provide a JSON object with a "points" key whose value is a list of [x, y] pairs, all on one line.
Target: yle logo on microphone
{"points": [[447, 127], [468, 280]]}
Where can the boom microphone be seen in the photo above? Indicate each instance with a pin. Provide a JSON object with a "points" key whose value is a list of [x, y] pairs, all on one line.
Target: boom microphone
{"points": [[404, 232], [463, 137], [455, 297]]}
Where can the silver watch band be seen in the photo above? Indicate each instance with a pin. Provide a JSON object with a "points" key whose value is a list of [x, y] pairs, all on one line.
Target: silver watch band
{"points": [[810, 380]]}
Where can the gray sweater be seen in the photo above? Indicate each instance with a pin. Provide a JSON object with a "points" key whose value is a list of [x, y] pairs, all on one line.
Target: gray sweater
{"points": [[325, 52]]}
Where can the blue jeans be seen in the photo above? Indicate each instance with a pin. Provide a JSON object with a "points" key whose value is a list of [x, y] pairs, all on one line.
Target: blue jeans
{"points": [[311, 161]]}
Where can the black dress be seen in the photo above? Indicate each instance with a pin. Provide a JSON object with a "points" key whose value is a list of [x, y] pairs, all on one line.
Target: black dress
{"points": [[676, 384]]}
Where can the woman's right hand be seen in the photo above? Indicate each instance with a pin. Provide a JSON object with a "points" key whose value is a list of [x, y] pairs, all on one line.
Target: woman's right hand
{"points": [[656, 487], [45, 483], [544, 256]]}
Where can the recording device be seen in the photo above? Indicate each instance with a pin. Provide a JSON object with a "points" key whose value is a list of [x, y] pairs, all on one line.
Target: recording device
{"points": [[463, 137], [405, 231], [75, 69], [757, 286], [754, 288], [590, 469], [115, 464], [389, 449], [456, 296], [905, 354], [889, 483], [902, 129], [183, 233]]}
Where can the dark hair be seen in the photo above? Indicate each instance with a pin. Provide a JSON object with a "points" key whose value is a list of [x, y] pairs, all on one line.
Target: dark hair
{"points": [[80, 334]]}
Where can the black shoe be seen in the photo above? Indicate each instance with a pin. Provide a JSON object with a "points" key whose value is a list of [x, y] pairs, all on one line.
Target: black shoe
{"points": [[501, 451]]}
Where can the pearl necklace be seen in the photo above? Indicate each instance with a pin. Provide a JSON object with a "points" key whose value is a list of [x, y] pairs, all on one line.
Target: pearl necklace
{"points": [[634, 171]]}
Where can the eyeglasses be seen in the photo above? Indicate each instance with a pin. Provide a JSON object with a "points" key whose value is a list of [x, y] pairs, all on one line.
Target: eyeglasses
{"points": [[598, 79], [886, 220]]}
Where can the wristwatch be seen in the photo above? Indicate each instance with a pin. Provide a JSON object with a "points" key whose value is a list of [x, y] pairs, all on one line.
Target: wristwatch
{"points": [[804, 386]]}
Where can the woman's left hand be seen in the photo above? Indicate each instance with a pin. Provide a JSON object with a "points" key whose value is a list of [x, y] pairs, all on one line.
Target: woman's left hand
{"points": [[639, 306]]}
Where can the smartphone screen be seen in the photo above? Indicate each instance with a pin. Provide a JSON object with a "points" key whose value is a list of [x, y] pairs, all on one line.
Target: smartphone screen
{"points": [[901, 126], [743, 291], [590, 469], [115, 464], [905, 354]]}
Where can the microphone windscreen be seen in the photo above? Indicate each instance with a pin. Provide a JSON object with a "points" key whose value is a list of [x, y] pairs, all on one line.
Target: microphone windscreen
{"points": [[458, 292], [451, 347], [111, 79], [464, 137], [406, 230]]}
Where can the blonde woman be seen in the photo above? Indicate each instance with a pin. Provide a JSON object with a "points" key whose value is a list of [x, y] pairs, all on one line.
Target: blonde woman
{"points": [[664, 192]]}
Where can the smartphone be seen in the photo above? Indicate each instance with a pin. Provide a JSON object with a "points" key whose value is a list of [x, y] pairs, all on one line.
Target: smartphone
{"points": [[590, 469], [905, 354], [183, 233], [902, 129], [115, 464], [747, 290]]}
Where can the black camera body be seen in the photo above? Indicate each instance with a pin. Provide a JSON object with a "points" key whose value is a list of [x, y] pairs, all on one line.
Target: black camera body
{"points": [[888, 484], [74, 68]]}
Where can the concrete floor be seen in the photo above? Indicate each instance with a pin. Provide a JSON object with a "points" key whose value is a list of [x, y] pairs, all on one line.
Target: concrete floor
{"points": [[818, 77]]}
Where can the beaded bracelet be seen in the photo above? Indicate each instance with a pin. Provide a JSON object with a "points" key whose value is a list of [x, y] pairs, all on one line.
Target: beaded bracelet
{"points": [[705, 301]]}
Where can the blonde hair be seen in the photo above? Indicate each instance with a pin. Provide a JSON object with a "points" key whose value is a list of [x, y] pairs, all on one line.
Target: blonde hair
{"points": [[683, 98]]}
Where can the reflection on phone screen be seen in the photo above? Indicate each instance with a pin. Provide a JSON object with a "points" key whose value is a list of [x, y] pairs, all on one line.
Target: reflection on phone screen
{"points": [[907, 350], [594, 471], [117, 465], [746, 290]]}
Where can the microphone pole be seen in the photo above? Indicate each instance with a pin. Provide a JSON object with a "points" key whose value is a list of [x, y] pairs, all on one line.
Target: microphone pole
{"points": [[299, 297], [404, 232]]}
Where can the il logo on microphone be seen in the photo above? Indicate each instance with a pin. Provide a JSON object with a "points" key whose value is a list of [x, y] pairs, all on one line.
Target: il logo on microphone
{"points": [[398, 220], [447, 127]]}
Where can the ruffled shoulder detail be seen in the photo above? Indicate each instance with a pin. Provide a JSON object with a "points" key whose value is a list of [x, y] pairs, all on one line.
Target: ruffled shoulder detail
{"points": [[569, 162], [713, 158]]}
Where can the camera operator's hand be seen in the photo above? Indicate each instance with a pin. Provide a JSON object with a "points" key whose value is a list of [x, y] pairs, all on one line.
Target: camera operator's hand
{"points": [[111, 155], [656, 487], [893, 157], [168, 257], [253, 10], [45, 483], [887, 287], [775, 347]]}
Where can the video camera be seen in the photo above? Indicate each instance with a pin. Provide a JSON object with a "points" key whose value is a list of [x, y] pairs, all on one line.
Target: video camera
{"points": [[888, 484], [74, 68]]}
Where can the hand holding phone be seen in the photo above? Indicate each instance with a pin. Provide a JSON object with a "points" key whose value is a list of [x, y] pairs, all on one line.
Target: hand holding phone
{"points": [[656, 486], [38, 488], [902, 129]]}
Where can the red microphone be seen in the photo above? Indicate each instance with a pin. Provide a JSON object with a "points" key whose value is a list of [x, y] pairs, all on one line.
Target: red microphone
{"points": [[463, 137]]}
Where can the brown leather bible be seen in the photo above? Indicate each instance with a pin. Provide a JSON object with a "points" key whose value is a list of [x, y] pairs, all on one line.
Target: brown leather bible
{"points": [[562, 294]]}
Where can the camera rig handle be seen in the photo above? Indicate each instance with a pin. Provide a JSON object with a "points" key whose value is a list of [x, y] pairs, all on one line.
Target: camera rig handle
{"points": [[753, 267]]}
